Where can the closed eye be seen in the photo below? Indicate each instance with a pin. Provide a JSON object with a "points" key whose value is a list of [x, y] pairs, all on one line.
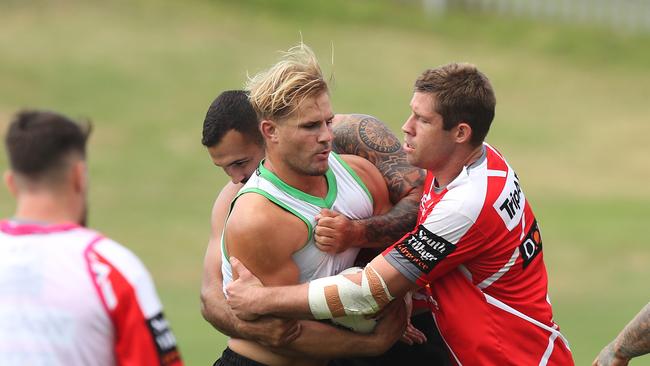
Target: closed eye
{"points": [[239, 163]]}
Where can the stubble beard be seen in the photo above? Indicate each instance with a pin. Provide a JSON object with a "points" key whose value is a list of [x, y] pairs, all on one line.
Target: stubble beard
{"points": [[307, 169]]}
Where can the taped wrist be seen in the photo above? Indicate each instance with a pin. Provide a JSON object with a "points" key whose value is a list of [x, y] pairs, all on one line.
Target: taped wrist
{"points": [[337, 296]]}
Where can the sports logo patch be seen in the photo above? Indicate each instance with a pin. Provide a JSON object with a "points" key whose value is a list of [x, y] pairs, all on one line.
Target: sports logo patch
{"points": [[511, 202], [424, 249], [532, 245], [164, 339]]}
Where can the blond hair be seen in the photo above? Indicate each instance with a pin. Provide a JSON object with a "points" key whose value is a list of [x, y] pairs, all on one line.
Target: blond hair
{"points": [[279, 91]]}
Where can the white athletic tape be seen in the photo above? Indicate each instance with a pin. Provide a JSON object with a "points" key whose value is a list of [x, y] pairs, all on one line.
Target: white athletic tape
{"points": [[337, 296]]}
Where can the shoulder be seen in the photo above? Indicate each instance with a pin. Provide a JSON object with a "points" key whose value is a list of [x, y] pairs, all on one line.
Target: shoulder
{"points": [[371, 178], [359, 165], [254, 216], [252, 210], [229, 191], [361, 134], [355, 162], [456, 211], [128, 276], [356, 121], [264, 237], [223, 200], [367, 171], [121, 258]]}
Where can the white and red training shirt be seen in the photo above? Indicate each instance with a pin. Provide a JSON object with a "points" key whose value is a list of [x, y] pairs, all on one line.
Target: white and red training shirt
{"points": [[69, 296], [477, 245]]}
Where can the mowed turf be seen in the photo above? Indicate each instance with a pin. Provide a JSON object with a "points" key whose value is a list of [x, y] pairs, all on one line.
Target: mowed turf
{"points": [[572, 121]]}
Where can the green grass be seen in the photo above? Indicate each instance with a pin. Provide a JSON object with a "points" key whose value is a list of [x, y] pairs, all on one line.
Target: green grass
{"points": [[572, 118]]}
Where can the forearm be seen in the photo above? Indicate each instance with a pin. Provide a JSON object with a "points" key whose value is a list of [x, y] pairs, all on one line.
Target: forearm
{"points": [[320, 340], [214, 308], [285, 302], [634, 340], [369, 138], [382, 230], [216, 311], [365, 292]]}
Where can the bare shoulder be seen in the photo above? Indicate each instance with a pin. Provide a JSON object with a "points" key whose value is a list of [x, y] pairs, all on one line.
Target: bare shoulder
{"points": [[229, 191], [257, 223], [363, 135], [225, 197], [366, 136], [264, 237], [254, 212]]}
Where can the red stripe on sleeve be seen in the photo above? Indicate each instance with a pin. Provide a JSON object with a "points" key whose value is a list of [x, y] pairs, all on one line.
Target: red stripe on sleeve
{"points": [[135, 339]]}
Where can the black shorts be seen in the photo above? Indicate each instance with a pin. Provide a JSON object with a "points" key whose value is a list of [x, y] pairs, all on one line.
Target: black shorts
{"points": [[232, 358], [433, 352]]}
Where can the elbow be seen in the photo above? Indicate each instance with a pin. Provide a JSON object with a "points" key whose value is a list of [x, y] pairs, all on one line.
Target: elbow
{"points": [[209, 304], [204, 305]]}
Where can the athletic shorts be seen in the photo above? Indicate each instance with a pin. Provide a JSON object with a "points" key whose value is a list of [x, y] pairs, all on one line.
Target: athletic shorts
{"points": [[433, 352], [232, 358]]}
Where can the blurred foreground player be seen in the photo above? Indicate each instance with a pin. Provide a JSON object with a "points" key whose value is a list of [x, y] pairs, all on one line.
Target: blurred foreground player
{"points": [[68, 295]]}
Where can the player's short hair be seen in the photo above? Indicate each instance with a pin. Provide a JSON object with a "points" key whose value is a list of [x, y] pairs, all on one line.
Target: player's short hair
{"points": [[279, 91], [463, 94], [39, 143], [231, 110]]}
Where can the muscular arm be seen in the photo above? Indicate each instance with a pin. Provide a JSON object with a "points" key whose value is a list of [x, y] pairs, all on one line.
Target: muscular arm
{"points": [[249, 298], [271, 259], [633, 341], [266, 330], [369, 138], [324, 341], [213, 303]]}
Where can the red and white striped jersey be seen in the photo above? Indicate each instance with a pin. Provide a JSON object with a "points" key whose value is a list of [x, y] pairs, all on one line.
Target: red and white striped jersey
{"points": [[478, 246], [70, 296]]}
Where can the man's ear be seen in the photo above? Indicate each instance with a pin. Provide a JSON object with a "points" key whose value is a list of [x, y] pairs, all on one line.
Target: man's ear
{"points": [[10, 182], [463, 132], [80, 176], [269, 130]]}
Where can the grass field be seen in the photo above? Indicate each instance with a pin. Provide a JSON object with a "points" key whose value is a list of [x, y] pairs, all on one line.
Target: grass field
{"points": [[572, 117]]}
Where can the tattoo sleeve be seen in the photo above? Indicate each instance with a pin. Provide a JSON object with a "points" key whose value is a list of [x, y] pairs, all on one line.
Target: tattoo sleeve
{"points": [[369, 138], [634, 340]]}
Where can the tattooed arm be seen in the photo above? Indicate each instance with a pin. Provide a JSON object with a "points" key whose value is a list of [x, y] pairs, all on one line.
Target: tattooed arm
{"points": [[633, 341], [369, 138]]}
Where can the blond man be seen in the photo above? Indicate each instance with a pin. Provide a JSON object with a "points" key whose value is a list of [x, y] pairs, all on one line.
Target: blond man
{"points": [[270, 227]]}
